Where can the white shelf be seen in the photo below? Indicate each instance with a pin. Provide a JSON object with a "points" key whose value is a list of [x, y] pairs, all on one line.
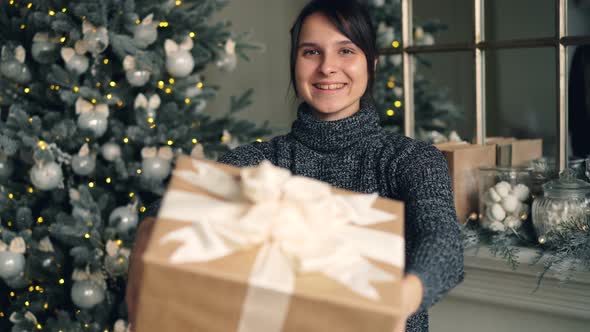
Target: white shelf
{"points": [[490, 280]]}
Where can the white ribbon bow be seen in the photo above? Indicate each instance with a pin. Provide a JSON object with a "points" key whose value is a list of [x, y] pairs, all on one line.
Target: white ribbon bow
{"points": [[170, 46], [17, 246], [300, 223], [152, 104], [83, 106]]}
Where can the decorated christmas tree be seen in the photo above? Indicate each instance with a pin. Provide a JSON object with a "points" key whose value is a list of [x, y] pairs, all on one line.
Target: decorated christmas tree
{"points": [[97, 98], [434, 112]]}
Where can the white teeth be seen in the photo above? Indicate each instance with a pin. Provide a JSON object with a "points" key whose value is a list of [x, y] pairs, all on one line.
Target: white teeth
{"points": [[329, 86]]}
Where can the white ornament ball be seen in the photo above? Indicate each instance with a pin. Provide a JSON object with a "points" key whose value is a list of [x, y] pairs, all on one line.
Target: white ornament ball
{"points": [[510, 203], [396, 59], [15, 71], [86, 294], [6, 168], [521, 191], [124, 218], [155, 168], [78, 64], [180, 63], [503, 188], [146, 34], [111, 151], [227, 62], [97, 41], [93, 121], [44, 52], [11, 264], [83, 165], [137, 77], [512, 222], [497, 212], [47, 176]]}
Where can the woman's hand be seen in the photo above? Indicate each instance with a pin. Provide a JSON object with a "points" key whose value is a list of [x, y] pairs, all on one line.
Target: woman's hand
{"points": [[136, 266], [411, 296]]}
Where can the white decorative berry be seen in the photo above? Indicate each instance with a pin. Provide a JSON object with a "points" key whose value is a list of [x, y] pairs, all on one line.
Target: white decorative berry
{"points": [[521, 191], [503, 188], [497, 212], [510, 203]]}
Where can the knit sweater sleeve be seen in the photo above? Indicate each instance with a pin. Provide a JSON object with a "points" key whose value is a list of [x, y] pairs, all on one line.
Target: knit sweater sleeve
{"points": [[245, 155], [436, 251]]}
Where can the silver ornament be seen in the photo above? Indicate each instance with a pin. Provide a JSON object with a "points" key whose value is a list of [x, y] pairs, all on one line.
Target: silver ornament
{"points": [[125, 218], [12, 264], [15, 71], [78, 64], [111, 151], [47, 176], [97, 40], [146, 34], [44, 52], [86, 294], [94, 121], [180, 63], [137, 77], [17, 282], [155, 168], [116, 265], [228, 62], [6, 168], [83, 165]]}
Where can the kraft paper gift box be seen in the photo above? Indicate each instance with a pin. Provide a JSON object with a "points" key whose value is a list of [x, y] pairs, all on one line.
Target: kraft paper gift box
{"points": [[260, 250], [523, 150], [464, 160]]}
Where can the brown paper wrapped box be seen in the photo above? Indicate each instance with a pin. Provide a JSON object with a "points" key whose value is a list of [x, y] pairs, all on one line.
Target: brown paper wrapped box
{"points": [[464, 160], [523, 150], [209, 296]]}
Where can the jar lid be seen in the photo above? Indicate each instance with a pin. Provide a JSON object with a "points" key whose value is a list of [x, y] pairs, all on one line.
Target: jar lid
{"points": [[567, 185]]}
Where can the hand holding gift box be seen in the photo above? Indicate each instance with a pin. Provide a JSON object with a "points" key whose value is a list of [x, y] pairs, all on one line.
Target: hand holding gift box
{"points": [[268, 251]]}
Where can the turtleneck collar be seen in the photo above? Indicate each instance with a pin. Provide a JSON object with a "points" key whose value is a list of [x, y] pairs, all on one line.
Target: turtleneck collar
{"points": [[328, 136]]}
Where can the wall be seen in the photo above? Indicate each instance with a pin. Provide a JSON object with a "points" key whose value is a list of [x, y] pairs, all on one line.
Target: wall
{"points": [[268, 71]]}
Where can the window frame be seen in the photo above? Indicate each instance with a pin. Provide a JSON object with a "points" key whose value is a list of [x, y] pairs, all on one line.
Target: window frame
{"points": [[560, 42]]}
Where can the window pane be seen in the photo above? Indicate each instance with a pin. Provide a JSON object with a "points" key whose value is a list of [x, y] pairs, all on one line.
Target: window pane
{"points": [[444, 94], [579, 108], [509, 19], [521, 95], [445, 21], [578, 18]]}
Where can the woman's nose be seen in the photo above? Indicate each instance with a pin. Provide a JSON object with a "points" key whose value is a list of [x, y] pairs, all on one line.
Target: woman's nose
{"points": [[329, 65]]}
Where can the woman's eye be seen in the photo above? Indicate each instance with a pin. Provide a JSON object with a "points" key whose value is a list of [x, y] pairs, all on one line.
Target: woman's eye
{"points": [[347, 51], [309, 52]]}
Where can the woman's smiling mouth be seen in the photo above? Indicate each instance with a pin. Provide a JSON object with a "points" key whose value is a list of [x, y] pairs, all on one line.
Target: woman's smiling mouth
{"points": [[329, 87]]}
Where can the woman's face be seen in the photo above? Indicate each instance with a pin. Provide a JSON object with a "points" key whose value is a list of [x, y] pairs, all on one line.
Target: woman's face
{"points": [[330, 71]]}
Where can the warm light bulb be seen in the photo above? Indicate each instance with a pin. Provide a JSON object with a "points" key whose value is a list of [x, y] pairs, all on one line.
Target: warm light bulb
{"points": [[390, 112], [113, 84], [40, 220], [200, 85], [62, 39], [27, 90], [91, 184], [391, 84], [195, 141], [192, 34], [22, 26], [61, 281], [171, 81], [187, 101], [395, 44], [109, 96], [168, 90], [108, 180], [170, 142], [131, 194], [142, 210], [76, 88], [138, 171], [51, 13], [87, 236], [397, 104], [125, 140]]}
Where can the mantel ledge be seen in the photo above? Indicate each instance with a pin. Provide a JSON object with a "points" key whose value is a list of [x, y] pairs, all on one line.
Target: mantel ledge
{"points": [[490, 280]]}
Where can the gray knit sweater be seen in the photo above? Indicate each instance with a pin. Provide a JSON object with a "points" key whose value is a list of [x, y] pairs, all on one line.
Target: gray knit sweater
{"points": [[355, 153]]}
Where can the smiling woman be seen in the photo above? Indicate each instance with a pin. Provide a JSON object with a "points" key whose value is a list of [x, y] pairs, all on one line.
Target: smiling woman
{"points": [[337, 139], [332, 62]]}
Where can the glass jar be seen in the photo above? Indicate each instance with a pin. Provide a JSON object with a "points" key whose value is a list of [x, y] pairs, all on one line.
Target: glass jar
{"points": [[504, 197], [564, 200]]}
